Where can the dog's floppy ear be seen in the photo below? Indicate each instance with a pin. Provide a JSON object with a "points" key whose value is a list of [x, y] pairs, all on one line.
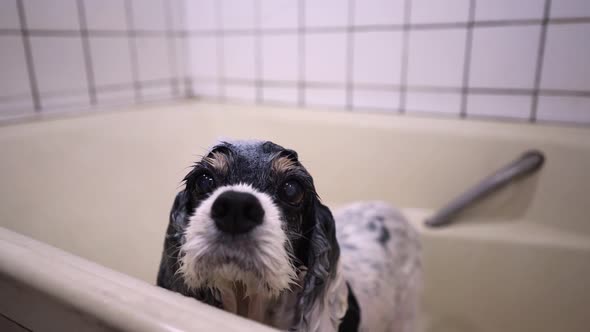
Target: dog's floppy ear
{"points": [[322, 260], [167, 274], [179, 215]]}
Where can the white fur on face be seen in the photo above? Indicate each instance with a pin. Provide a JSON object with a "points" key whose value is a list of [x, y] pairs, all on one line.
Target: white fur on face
{"points": [[258, 259]]}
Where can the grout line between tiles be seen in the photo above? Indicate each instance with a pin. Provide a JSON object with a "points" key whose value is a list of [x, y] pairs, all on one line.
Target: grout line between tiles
{"points": [[133, 50], [467, 58], [350, 57], [88, 63], [540, 60], [405, 56], [172, 65], [33, 84]]}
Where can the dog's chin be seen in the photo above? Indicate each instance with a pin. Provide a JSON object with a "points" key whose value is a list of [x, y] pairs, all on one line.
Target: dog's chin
{"points": [[228, 263]]}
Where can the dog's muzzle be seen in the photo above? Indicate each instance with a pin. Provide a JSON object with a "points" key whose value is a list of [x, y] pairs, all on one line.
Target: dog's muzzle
{"points": [[237, 212]]}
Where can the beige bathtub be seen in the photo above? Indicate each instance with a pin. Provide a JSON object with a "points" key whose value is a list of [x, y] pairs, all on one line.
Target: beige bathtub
{"points": [[99, 187]]}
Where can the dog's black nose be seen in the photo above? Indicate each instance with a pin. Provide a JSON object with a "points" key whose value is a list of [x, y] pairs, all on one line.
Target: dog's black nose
{"points": [[237, 212]]}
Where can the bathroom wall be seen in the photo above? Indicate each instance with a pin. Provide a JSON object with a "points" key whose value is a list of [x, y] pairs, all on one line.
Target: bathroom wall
{"points": [[525, 60], [62, 55]]}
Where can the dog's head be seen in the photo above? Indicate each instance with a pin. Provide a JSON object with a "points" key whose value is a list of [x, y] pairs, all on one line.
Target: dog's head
{"points": [[250, 218]]}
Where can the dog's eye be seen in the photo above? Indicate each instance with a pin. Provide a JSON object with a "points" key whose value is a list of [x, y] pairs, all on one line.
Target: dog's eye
{"points": [[205, 183], [291, 192]]}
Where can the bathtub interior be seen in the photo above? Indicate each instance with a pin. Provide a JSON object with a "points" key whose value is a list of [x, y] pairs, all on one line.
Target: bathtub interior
{"points": [[100, 186]]}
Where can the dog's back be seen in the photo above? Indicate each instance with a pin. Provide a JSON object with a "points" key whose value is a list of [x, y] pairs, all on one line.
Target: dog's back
{"points": [[380, 255]]}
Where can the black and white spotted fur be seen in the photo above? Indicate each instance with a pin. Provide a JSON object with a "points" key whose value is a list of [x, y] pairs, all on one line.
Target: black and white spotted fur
{"points": [[301, 269]]}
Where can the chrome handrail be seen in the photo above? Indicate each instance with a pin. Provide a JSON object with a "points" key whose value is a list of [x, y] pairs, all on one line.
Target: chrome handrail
{"points": [[528, 163]]}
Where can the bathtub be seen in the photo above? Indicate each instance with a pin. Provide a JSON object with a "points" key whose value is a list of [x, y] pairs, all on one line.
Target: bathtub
{"points": [[85, 201]]}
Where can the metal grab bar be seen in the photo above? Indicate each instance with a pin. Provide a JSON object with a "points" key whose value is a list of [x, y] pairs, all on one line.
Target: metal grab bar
{"points": [[528, 163]]}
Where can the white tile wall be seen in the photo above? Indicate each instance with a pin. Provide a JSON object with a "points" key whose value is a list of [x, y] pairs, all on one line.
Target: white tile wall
{"points": [[504, 57], [564, 109], [279, 14], [325, 57], [202, 14], [326, 13], [254, 51], [153, 58], [377, 57], [206, 89], [59, 64], [570, 8], [9, 15], [238, 57], [280, 57], [148, 14], [280, 95], [241, 93], [493, 10], [15, 80], [376, 100], [325, 97], [514, 107], [105, 14], [378, 12], [436, 57], [203, 57], [57, 14], [428, 11], [436, 103], [238, 14], [566, 65], [107, 71]]}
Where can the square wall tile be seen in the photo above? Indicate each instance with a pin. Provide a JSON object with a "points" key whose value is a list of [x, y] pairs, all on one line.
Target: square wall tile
{"points": [[110, 60], [428, 11], [377, 57], [156, 92], [59, 64], [493, 10], [206, 89], [499, 106], [326, 13], [325, 57], [378, 12], [181, 60], [121, 96], [436, 57], [71, 101], [325, 97], [279, 14], [280, 95], [55, 14], [238, 14], [566, 65], [202, 14], [243, 93], [570, 8], [564, 109], [280, 57], [432, 102], [152, 58], [14, 108], [9, 15], [203, 58], [105, 14], [14, 80], [504, 57], [149, 14], [178, 14], [238, 57], [375, 100]]}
